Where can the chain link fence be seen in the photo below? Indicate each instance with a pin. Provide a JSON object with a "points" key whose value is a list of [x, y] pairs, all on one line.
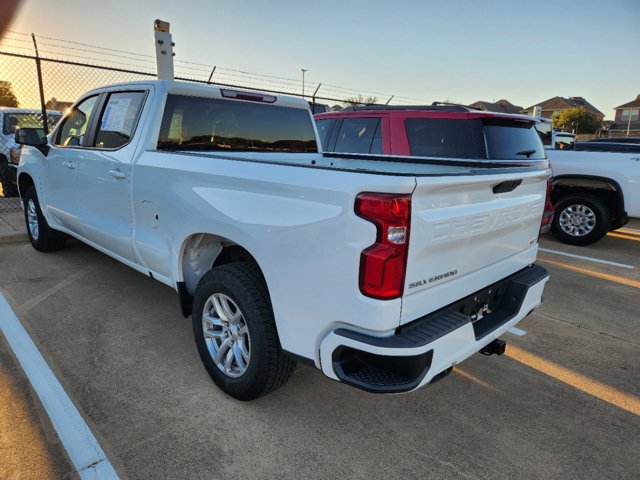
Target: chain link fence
{"points": [[30, 84], [21, 102]]}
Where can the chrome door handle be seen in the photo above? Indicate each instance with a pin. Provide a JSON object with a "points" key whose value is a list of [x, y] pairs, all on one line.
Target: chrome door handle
{"points": [[69, 165], [117, 174]]}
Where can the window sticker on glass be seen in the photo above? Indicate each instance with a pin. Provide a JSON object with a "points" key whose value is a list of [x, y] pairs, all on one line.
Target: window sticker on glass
{"points": [[115, 115]]}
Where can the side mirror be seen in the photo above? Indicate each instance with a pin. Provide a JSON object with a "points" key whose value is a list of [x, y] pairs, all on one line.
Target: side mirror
{"points": [[34, 137]]}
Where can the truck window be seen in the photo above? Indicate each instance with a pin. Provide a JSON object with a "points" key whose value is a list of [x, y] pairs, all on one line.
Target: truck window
{"points": [[324, 129], [211, 124], [512, 140], [356, 135], [12, 121], [119, 119], [437, 137], [73, 128], [544, 132], [376, 143], [565, 142]]}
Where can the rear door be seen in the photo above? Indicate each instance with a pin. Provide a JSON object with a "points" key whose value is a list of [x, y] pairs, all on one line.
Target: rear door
{"points": [[104, 173]]}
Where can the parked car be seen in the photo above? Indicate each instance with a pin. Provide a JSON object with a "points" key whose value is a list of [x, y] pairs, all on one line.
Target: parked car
{"points": [[615, 140], [318, 107], [441, 130], [381, 272], [10, 119], [595, 188]]}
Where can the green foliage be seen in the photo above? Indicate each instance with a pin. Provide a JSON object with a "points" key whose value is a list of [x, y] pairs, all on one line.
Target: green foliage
{"points": [[7, 97], [577, 120], [360, 100]]}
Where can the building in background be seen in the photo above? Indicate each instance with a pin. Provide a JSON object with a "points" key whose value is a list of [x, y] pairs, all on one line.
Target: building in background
{"points": [[556, 104], [627, 121], [501, 106]]}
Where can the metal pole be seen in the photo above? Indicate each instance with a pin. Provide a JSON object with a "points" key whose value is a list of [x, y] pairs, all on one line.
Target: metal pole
{"points": [[629, 122], [303, 70], [211, 75], [313, 98], [45, 123], [389, 99]]}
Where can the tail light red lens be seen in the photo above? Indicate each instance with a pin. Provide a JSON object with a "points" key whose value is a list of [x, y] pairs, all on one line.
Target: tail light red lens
{"points": [[547, 216], [383, 264]]}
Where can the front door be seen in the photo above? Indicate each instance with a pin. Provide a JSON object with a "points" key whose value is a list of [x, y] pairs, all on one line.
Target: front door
{"points": [[58, 175]]}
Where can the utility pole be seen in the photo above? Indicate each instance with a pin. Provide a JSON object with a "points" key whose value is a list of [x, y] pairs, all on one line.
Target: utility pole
{"points": [[164, 50], [303, 70]]}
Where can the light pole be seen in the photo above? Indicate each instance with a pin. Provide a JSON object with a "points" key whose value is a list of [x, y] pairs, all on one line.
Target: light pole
{"points": [[303, 70]]}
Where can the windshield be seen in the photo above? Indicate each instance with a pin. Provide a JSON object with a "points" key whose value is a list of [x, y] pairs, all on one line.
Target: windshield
{"points": [[210, 124], [512, 140], [27, 120]]}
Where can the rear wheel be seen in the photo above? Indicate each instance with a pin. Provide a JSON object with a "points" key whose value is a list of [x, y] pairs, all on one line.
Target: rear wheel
{"points": [[581, 219], [42, 236], [235, 332]]}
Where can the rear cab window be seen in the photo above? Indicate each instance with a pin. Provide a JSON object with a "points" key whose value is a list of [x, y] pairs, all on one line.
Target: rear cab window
{"points": [[486, 138], [509, 139], [212, 124]]}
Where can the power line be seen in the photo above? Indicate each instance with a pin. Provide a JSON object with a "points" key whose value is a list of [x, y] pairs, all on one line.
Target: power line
{"points": [[285, 82]]}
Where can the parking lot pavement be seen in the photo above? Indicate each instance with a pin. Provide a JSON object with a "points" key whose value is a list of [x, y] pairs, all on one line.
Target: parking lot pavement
{"points": [[29, 447], [562, 403]]}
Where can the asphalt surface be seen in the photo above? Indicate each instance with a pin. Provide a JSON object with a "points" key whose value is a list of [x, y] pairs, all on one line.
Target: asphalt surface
{"points": [[562, 403]]}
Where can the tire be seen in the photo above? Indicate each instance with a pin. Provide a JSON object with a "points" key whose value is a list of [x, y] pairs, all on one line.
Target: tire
{"points": [[242, 297], [8, 179], [581, 219], [42, 236]]}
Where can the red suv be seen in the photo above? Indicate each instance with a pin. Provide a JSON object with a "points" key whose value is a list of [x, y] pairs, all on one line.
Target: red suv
{"points": [[438, 130]]}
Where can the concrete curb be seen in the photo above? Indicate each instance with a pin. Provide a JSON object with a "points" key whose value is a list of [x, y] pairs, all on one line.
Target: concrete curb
{"points": [[13, 238]]}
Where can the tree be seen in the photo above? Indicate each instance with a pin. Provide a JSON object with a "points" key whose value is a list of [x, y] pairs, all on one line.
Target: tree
{"points": [[7, 97], [360, 100], [578, 120]]}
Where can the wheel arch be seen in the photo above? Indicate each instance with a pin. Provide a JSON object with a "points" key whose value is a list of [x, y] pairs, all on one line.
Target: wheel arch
{"points": [[607, 189], [24, 181], [199, 253]]}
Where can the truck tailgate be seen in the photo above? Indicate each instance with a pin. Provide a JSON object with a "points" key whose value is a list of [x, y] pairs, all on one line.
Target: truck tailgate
{"points": [[465, 234]]}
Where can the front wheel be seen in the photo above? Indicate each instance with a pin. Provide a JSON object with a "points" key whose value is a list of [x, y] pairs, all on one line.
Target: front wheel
{"points": [[42, 236], [581, 219], [235, 332], [8, 180]]}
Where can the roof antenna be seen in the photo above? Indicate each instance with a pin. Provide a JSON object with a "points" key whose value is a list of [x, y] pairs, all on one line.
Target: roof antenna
{"points": [[164, 50]]}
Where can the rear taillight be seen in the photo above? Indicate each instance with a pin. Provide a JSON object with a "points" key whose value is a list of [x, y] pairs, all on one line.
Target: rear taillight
{"points": [[547, 216], [383, 264]]}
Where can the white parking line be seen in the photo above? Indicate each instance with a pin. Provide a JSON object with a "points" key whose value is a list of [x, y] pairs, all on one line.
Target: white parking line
{"points": [[589, 259], [517, 331], [84, 451]]}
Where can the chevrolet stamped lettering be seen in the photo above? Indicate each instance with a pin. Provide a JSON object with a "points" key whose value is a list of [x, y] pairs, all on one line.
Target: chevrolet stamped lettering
{"points": [[471, 225]]}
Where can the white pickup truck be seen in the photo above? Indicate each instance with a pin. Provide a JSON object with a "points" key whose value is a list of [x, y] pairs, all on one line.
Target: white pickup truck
{"points": [[383, 272], [596, 185]]}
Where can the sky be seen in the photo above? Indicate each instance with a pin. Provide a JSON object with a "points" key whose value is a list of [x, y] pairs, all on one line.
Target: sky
{"points": [[460, 51]]}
